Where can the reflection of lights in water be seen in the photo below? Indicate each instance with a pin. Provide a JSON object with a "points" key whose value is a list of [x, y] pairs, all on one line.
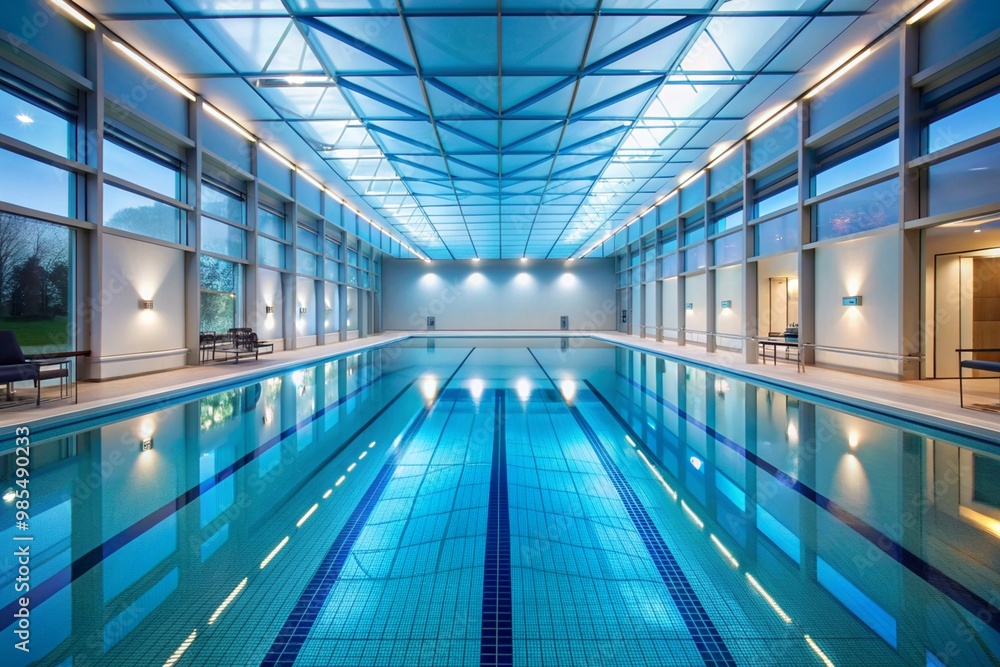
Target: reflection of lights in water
{"points": [[770, 600], [371, 445], [523, 388], [363, 455], [352, 466], [629, 440], [429, 387], [146, 429], [476, 388], [305, 517], [694, 517], [268, 415], [297, 378], [327, 494], [792, 432], [9, 495], [341, 480], [673, 494], [721, 386], [274, 552], [987, 523], [724, 551], [225, 603], [568, 390], [853, 439], [818, 651], [176, 655], [696, 463]]}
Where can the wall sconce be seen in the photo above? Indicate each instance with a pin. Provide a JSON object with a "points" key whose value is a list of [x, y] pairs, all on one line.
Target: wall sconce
{"points": [[688, 306], [146, 305], [302, 310], [727, 304], [147, 444], [269, 310], [852, 300]]}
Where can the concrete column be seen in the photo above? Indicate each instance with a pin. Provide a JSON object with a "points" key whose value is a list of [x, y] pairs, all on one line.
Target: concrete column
{"points": [[90, 244], [192, 260], [807, 258], [909, 306]]}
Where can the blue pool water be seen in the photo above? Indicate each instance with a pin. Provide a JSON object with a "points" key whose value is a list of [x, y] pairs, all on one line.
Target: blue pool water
{"points": [[450, 501]]}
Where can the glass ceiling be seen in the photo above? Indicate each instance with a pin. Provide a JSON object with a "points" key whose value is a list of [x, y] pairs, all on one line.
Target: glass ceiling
{"points": [[476, 131]]}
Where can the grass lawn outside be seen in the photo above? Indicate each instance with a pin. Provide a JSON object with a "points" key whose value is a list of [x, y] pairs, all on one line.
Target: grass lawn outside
{"points": [[39, 335]]}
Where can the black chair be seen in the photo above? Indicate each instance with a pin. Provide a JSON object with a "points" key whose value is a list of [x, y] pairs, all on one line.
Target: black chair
{"points": [[975, 365], [15, 368]]}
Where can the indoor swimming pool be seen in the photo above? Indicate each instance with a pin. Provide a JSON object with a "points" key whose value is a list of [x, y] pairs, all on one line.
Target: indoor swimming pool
{"points": [[503, 501]]}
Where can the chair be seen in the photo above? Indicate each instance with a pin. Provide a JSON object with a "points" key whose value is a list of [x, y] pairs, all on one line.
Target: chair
{"points": [[259, 345], [974, 365], [15, 368]]}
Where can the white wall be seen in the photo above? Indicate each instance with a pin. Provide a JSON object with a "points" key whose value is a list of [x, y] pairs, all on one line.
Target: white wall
{"points": [[670, 308], [305, 323], [869, 267], [729, 287], [133, 340], [695, 293], [269, 294], [498, 294]]}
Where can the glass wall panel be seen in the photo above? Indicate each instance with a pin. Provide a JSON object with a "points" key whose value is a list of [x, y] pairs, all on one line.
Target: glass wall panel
{"points": [[221, 294], [774, 141], [134, 213], [694, 232], [965, 181], [129, 164], [270, 253], [270, 223], [728, 221], [36, 185], [36, 125], [778, 234], [36, 283], [332, 248], [973, 120], [870, 208], [307, 239], [223, 203], [861, 166], [331, 270], [694, 258], [726, 173], [668, 266], [218, 237], [729, 248], [776, 202], [693, 193], [305, 263]]}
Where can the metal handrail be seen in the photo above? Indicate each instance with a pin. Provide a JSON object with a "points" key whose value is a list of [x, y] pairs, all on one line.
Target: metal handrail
{"points": [[800, 346]]}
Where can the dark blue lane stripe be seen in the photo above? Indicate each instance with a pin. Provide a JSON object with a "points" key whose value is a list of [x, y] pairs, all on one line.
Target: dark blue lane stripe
{"points": [[706, 636], [92, 558], [497, 646], [968, 599], [292, 636]]}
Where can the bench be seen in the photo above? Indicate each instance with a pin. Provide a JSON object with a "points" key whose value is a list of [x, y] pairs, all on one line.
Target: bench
{"points": [[974, 365]]}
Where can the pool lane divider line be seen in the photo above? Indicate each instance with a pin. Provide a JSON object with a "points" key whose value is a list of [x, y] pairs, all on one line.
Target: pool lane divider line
{"points": [[953, 589], [309, 605], [95, 556], [497, 637], [707, 638]]}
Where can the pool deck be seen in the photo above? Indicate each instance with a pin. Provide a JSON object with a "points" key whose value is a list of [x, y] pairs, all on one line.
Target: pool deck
{"points": [[933, 402]]}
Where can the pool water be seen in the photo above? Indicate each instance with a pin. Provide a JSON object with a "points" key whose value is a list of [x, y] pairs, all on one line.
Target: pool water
{"points": [[504, 501]]}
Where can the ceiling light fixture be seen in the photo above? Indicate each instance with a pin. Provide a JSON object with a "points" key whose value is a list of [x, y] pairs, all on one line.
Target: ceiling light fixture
{"points": [[277, 156], [229, 122], [74, 13], [927, 9], [155, 71], [838, 72]]}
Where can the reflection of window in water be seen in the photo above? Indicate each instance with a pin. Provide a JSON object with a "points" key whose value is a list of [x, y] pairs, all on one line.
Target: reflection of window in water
{"points": [[986, 480]]}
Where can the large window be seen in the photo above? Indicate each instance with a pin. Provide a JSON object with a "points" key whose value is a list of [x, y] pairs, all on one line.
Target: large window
{"points": [[130, 211], [971, 121], [36, 125], [221, 294], [36, 269]]}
